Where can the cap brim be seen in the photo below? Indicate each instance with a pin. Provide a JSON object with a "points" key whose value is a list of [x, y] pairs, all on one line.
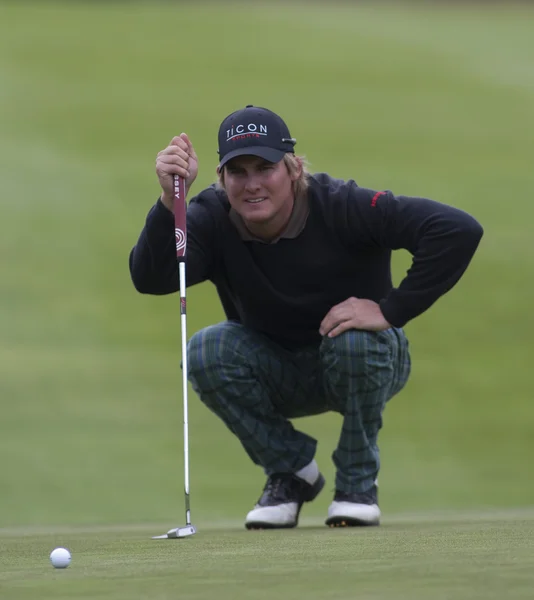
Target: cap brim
{"points": [[270, 154]]}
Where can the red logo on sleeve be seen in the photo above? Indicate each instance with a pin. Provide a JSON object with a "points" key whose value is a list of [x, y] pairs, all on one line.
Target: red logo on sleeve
{"points": [[376, 197]]}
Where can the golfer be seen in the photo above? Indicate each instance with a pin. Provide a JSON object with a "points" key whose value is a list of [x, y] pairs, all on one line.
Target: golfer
{"points": [[301, 263]]}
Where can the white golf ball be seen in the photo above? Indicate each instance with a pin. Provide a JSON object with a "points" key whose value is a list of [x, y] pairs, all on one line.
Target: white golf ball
{"points": [[60, 558]]}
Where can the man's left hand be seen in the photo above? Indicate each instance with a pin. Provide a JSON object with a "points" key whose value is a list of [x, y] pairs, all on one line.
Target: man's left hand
{"points": [[353, 313]]}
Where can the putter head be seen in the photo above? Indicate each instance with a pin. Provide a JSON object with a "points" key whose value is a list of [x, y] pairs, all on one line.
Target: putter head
{"points": [[179, 532]]}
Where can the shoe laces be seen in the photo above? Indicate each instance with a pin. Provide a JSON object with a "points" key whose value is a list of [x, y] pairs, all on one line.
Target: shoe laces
{"points": [[368, 497], [282, 487]]}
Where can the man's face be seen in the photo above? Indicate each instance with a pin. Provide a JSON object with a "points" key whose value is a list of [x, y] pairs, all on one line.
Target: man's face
{"points": [[260, 191]]}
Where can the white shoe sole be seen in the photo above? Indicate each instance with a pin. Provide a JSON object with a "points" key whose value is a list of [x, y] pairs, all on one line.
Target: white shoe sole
{"points": [[351, 514]]}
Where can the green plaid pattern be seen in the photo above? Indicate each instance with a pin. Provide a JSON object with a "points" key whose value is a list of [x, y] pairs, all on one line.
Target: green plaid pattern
{"points": [[256, 386]]}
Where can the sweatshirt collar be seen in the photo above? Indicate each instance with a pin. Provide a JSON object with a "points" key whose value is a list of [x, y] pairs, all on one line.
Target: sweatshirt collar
{"points": [[295, 225]]}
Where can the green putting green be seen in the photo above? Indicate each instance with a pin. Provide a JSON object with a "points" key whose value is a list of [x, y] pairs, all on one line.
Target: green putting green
{"points": [[483, 557]]}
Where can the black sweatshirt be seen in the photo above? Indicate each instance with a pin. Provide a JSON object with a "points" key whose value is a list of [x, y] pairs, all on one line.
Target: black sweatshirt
{"points": [[285, 289]]}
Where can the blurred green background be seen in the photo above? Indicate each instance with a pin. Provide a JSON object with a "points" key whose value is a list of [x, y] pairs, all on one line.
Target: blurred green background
{"points": [[425, 99]]}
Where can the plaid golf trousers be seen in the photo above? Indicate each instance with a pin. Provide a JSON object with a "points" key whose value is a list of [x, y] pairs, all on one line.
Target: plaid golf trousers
{"points": [[255, 387]]}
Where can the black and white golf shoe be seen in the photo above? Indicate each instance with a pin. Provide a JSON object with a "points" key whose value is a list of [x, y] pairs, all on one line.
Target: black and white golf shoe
{"points": [[281, 501], [354, 509]]}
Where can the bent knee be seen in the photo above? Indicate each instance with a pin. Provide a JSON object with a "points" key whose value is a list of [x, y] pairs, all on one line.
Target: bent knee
{"points": [[217, 344], [205, 346], [356, 348]]}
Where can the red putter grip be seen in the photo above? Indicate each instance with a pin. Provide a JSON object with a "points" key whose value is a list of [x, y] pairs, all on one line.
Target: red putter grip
{"points": [[179, 206]]}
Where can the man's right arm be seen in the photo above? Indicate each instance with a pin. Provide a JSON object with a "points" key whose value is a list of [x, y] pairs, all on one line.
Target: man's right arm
{"points": [[153, 263]]}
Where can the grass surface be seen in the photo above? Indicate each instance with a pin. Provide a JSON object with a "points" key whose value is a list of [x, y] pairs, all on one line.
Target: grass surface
{"points": [[475, 556], [427, 99]]}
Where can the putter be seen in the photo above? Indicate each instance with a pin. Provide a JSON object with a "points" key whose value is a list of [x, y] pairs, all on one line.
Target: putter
{"points": [[180, 231]]}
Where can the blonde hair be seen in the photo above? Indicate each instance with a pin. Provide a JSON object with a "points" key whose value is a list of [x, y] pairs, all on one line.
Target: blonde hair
{"points": [[293, 165]]}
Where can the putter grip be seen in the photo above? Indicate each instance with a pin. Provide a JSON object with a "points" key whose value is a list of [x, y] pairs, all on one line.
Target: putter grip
{"points": [[179, 207]]}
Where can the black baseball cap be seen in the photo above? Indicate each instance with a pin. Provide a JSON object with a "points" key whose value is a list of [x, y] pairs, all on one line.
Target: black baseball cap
{"points": [[254, 130]]}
